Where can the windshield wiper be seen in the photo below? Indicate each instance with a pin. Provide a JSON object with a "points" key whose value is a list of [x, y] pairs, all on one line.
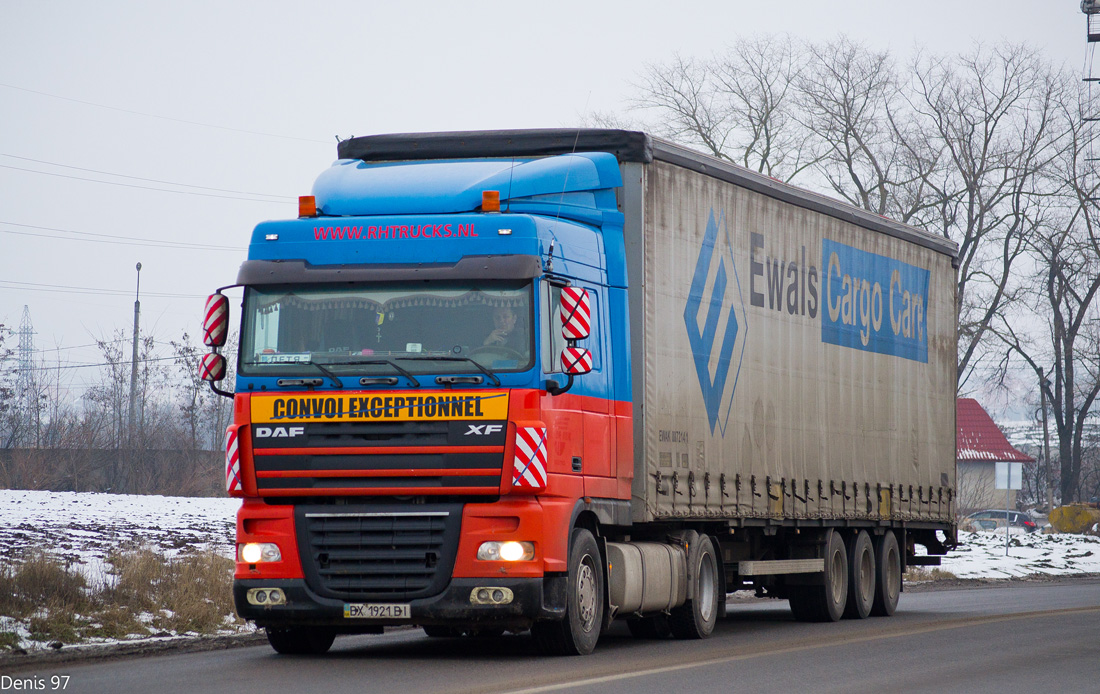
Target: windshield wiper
{"points": [[400, 370], [482, 369], [303, 381], [335, 380]]}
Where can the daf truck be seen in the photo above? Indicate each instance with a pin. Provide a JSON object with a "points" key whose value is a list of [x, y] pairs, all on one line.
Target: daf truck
{"points": [[547, 379]]}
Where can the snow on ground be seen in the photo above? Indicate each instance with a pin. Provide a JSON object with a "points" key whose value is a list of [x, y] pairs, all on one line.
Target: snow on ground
{"points": [[982, 554], [84, 527]]}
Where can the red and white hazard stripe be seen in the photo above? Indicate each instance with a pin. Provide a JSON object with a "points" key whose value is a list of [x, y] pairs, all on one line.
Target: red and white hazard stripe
{"points": [[576, 360], [215, 322], [529, 463], [212, 367], [576, 319], [232, 463]]}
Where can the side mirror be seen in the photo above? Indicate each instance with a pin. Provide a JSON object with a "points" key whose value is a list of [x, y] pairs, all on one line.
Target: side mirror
{"points": [[576, 361], [215, 322], [212, 367], [576, 314]]}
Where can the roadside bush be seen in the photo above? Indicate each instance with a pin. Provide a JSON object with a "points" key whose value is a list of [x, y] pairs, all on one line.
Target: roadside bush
{"points": [[40, 581], [139, 571], [149, 593], [198, 590], [919, 573]]}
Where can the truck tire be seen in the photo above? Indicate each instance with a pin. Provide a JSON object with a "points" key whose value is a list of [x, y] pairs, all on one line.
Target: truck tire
{"points": [[300, 640], [887, 575], [861, 576], [826, 602], [578, 632], [695, 619]]}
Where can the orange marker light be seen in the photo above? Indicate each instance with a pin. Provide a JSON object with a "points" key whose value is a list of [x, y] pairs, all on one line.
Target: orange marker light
{"points": [[490, 201], [307, 206]]}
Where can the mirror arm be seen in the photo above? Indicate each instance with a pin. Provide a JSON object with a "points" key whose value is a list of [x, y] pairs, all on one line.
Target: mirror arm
{"points": [[553, 388], [224, 393]]}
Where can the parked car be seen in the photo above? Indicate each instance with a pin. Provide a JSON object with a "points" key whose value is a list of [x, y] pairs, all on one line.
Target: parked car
{"points": [[992, 519]]}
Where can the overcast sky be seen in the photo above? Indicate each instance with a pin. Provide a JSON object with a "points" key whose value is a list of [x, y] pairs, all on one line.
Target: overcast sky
{"points": [[242, 102]]}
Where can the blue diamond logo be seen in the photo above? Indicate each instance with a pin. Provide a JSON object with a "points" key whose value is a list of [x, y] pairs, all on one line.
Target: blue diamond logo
{"points": [[713, 325]]}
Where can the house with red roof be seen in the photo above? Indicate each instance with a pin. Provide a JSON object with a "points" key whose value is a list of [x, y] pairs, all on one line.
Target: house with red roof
{"points": [[979, 445]]}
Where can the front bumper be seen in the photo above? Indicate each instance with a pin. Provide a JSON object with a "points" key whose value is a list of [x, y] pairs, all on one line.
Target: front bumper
{"points": [[534, 599]]}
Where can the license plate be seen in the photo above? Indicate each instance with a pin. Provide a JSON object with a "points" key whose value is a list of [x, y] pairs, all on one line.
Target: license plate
{"points": [[376, 611]]}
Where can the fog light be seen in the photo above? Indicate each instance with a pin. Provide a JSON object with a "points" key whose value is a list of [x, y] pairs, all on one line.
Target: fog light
{"points": [[266, 596], [491, 595], [506, 551], [256, 552]]}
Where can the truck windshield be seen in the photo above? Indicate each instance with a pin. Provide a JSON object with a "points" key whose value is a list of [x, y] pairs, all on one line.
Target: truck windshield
{"points": [[357, 329]]}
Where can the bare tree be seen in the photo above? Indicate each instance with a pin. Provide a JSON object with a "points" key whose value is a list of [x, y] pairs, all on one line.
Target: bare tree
{"points": [[992, 112], [9, 411], [1066, 251], [756, 77], [205, 413], [738, 106], [849, 98]]}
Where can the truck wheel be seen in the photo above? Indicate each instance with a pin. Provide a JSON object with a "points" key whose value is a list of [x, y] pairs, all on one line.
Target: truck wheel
{"points": [[695, 619], [861, 576], [578, 632], [825, 603], [654, 626], [300, 640], [888, 575]]}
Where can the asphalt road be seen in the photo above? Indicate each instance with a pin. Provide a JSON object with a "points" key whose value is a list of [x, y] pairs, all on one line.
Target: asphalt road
{"points": [[1013, 637]]}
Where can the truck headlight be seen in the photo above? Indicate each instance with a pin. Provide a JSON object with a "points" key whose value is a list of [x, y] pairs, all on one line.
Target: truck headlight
{"points": [[506, 551], [256, 552]]}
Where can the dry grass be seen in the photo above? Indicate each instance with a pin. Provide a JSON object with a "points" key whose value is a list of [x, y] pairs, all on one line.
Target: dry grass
{"points": [[919, 573], [40, 581], [190, 593]]}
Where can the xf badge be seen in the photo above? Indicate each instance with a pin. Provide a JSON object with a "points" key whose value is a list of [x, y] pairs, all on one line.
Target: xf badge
{"points": [[484, 429]]}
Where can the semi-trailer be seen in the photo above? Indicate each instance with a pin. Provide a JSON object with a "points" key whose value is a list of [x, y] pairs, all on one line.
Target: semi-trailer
{"points": [[545, 379]]}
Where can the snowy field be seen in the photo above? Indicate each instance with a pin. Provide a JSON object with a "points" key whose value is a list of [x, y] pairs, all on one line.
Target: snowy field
{"points": [[83, 527], [982, 555]]}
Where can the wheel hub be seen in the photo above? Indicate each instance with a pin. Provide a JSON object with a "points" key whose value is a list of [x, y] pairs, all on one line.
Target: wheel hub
{"points": [[586, 594]]}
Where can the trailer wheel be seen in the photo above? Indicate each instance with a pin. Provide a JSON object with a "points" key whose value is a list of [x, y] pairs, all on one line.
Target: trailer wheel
{"points": [[826, 602], [888, 575], [695, 619], [861, 576], [578, 632], [300, 640], [654, 626]]}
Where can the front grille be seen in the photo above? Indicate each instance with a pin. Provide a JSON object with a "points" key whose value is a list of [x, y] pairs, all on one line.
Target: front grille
{"points": [[373, 434], [378, 552], [379, 458]]}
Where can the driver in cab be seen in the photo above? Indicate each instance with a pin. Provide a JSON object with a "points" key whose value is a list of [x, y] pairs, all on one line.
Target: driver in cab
{"points": [[505, 331]]}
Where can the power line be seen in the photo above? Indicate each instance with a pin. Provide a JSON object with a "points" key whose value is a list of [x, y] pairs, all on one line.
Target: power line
{"points": [[150, 180], [121, 240], [93, 344], [131, 185], [169, 118], [39, 287], [106, 363]]}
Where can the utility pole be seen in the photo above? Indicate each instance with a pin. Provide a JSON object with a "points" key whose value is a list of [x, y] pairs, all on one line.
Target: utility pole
{"points": [[1043, 385], [134, 361]]}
